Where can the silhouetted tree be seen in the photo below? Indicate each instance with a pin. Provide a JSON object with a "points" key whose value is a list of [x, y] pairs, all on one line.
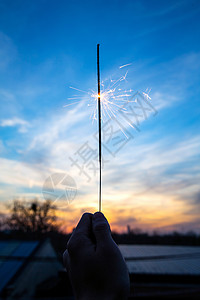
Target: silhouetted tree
{"points": [[32, 216]]}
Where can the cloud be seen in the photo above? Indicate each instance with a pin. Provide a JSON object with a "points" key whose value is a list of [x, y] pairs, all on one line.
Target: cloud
{"points": [[148, 175], [197, 197], [183, 227], [122, 221], [156, 178], [159, 176], [17, 174], [16, 122]]}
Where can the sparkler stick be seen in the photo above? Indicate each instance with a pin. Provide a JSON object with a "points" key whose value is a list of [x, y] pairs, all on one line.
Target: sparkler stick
{"points": [[109, 102], [99, 122]]}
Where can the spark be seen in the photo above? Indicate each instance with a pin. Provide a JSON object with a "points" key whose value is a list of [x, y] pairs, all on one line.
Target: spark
{"points": [[73, 88], [125, 66], [113, 97], [71, 104]]}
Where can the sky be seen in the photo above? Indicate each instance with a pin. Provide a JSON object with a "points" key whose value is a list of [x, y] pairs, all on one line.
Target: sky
{"points": [[150, 59]]}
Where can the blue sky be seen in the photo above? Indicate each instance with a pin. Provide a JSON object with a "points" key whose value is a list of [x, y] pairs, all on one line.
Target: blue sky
{"points": [[48, 46]]}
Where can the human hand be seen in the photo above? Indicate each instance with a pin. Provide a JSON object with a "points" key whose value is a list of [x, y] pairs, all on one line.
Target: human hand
{"points": [[94, 262]]}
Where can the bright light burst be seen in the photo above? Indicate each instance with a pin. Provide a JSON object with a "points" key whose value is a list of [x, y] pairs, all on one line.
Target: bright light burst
{"points": [[113, 97]]}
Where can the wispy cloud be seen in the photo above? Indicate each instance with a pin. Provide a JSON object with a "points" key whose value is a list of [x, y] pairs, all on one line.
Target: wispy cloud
{"points": [[152, 181], [147, 171], [16, 122]]}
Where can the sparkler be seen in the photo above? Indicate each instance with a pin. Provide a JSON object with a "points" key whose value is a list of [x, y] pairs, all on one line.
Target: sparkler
{"points": [[99, 122], [112, 97], [109, 100]]}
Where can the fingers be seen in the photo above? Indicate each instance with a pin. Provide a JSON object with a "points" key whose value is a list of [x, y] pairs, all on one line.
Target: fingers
{"points": [[85, 224], [81, 237], [101, 228], [89, 227]]}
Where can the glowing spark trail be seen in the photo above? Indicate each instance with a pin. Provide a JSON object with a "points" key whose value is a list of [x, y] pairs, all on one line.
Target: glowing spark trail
{"points": [[112, 100], [125, 66], [113, 97]]}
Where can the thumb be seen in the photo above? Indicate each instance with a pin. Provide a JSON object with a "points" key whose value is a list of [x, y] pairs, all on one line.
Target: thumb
{"points": [[101, 228]]}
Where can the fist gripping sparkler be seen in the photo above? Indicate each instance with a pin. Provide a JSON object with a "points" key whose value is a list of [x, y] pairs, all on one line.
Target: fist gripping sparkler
{"points": [[99, 123]]}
